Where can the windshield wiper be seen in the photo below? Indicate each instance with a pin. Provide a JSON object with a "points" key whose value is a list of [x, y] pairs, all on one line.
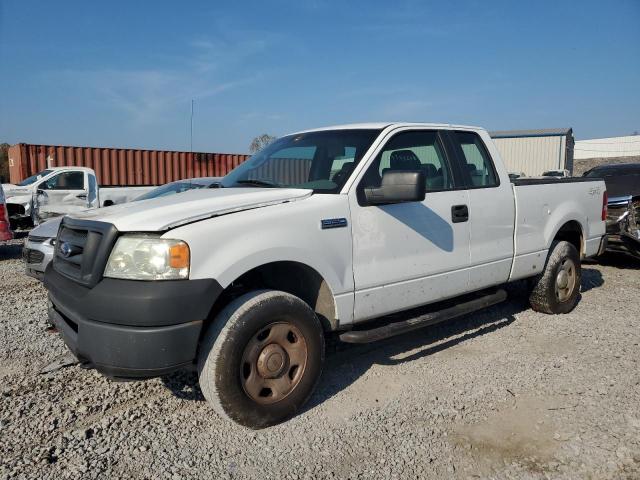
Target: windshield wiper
{"points": [[259, 183]]}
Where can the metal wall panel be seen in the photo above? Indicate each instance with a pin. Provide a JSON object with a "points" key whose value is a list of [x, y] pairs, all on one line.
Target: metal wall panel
{"points": [[532, 155], [115, 166], [611, 147]]}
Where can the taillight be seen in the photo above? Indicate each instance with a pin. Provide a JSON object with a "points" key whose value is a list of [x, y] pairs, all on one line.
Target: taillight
{"points": [[605, 201]]}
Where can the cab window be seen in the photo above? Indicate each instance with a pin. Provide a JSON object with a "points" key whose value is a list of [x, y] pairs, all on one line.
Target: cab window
{"points": [[478, 169], [64, 181], [412, 151]]}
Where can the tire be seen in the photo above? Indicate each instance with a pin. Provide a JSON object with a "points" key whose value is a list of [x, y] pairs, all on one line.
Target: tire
{"points": [[550, 294], [251, 354]]}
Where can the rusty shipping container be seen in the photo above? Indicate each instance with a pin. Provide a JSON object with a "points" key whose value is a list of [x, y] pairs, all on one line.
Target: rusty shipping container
{"points": [[121, 166]]}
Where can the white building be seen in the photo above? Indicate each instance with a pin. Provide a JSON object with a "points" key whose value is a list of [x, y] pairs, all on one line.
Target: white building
{"points": [[611, 147], [535, 151]]}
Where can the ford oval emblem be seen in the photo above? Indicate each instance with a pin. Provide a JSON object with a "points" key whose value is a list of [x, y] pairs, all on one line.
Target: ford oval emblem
{"points": [[66, 250]]}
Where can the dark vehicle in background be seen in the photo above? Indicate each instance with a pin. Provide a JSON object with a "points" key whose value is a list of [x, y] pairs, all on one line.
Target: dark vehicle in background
{"points": [[556, 173], [516, 175], [623, 216], [5, 227]]}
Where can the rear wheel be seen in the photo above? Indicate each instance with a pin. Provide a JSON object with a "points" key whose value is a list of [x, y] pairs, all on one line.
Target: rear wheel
{"points": [[261, 358], [556, 290]]}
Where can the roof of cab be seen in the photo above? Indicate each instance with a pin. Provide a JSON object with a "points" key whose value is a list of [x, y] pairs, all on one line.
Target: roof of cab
{"points": [[71, 167], [383, 125]]}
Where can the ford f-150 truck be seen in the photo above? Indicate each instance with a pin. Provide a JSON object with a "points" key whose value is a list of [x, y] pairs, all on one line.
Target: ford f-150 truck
{"points": [[60, 190], [322, 231]]}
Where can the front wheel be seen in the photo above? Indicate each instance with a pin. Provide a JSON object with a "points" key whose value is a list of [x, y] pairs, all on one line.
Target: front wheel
{"points": [[261, 358], [556, 290]]}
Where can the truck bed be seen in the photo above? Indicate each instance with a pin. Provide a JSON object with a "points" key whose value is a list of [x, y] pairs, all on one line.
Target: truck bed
{"points": [[544, 205]]}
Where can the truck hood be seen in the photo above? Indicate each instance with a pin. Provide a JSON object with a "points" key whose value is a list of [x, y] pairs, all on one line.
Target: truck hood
{"points": [[11, 190], [48, 229], [168, 212]]}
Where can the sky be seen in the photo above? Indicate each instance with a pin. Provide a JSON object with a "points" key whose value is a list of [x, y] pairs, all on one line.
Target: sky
{"points": [[124, 73]]}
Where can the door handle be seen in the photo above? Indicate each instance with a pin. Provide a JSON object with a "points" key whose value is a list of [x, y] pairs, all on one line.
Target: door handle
{"points": [[459, 213], [82, 196]]}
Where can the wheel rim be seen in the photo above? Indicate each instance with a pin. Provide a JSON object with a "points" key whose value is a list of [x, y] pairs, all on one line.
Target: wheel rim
{"points": [[273, 363], [565, 280]]}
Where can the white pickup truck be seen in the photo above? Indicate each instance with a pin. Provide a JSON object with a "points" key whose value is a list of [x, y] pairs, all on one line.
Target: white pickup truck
{"points": [[321, 232], [61, 190]]}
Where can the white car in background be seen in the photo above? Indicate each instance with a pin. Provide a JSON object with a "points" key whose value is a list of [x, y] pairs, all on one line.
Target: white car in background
{"points": [[60, 191], [38, 249]]}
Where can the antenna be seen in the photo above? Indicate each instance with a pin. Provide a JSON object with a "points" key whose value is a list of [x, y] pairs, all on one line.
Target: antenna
{"points": [[191, 131]]}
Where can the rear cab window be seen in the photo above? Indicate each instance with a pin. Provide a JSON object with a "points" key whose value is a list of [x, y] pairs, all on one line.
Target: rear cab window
{"points": [[477, 166]]}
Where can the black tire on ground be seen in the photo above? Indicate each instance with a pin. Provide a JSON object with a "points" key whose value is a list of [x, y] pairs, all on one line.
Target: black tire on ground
{"points": [[556, 290], [255, 347]]}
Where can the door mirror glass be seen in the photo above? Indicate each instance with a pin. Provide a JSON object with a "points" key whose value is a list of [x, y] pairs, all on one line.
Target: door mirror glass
{"points": [[397, 187]]}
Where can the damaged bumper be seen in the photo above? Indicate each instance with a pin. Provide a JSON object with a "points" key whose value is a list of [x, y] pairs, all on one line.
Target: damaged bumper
{"points": [[623, 225]]}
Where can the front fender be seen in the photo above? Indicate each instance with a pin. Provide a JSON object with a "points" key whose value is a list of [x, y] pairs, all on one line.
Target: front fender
{"points": [[226, 247]]}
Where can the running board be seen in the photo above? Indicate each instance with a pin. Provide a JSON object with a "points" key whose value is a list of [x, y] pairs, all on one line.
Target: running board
{"points": [[431, 318]]}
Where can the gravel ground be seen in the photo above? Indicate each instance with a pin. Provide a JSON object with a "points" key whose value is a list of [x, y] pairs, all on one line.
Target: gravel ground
{"points": [[507, 393]]}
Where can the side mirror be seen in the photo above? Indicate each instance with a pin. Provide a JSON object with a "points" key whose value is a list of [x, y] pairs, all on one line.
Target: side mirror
{"points": [[397, 187]]}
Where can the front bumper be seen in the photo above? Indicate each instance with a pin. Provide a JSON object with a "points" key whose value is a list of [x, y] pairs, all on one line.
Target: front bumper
{"points": [[37, 256], [623, 225], [131, 329]]}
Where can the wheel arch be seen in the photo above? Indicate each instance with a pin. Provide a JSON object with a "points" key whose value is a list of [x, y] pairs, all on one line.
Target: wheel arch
{"points": [[572, 232], [293, 277]]}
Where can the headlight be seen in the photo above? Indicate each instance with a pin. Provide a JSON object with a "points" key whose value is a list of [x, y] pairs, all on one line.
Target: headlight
{"points": [[145, 257]]}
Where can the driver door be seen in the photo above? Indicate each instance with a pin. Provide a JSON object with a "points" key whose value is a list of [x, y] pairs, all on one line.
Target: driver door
{"points": [[61, 194], [412, 253]]}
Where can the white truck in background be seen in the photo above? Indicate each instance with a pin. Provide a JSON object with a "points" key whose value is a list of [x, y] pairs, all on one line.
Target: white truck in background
{"points": [[59, 191], [318, 234]]}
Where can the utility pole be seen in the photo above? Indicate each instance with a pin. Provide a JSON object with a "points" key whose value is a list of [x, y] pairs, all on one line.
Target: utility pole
{"points": [[191, 131]]}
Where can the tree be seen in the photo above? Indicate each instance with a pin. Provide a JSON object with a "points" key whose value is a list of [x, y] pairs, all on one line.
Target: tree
{"points": [[260, 142]]}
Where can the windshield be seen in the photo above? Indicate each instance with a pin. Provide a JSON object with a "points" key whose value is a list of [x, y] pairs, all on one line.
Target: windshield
{"points": [[169, 189], [321, 161], [33, 178]]}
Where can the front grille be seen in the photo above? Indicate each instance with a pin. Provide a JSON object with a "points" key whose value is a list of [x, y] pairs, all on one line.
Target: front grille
{"points": [[33, 256], [635, 209], [82, 249], [613, 214]]}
